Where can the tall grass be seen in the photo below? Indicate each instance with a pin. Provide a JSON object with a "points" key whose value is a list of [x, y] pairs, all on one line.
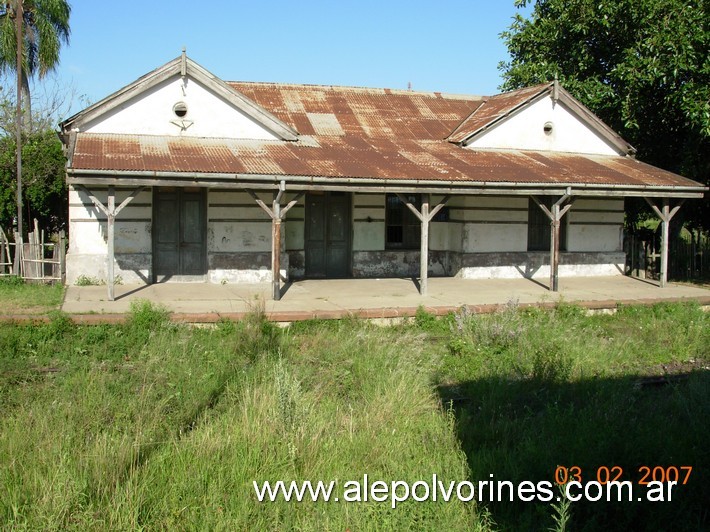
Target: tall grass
{"points": [[84, 408], [536, 389], [153, 425]]}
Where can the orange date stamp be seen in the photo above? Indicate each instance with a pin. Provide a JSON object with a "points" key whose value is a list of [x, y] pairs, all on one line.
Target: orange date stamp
{"points": [[605, 474]]}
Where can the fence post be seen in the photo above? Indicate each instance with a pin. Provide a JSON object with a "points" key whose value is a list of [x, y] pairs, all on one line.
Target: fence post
{"points": [[62, 257], [2, 251], [19, 252], [41, 255]]}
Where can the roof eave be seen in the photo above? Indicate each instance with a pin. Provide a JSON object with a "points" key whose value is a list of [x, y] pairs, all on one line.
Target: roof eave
{"points": [[304, 182]]}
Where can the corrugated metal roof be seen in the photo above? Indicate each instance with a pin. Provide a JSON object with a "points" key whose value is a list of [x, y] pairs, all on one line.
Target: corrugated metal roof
{"points": [[361, 157], [350, 132], [381, 113]]}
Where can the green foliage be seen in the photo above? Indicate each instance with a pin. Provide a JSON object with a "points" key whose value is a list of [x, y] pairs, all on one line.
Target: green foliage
{"points": [[146, 316], [12, 280], [562, 512], [44, 189], [60, 325], [641, 65], [107, 429], [45, 28], [86, 280], [425, 320], [155, 425]]}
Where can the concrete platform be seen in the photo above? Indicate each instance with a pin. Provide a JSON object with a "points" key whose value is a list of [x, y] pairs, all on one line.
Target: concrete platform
{"points": [[371, 298]]}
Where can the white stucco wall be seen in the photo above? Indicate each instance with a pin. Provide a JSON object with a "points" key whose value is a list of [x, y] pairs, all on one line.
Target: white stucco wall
{"points": [[151, 113], [369, 228], [485, 237], [368, 222], [595, 225], [604, 264], [88, 237], [593, 245], [525, 131], [238, 238], [492, 223]]}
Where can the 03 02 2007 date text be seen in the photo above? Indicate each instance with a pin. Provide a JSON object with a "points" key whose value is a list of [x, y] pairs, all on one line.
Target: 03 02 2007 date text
{"points": [[605, 474]]}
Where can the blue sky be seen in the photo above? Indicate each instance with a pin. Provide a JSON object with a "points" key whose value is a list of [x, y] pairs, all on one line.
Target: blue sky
{"points": [[448, 46]]}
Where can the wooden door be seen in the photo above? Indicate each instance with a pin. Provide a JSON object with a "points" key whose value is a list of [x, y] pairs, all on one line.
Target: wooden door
{"points": [[327, 235], [179, 233]]}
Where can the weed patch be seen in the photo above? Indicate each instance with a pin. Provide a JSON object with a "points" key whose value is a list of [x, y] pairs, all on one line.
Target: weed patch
{"points": [[155, 425], [538, 388]]}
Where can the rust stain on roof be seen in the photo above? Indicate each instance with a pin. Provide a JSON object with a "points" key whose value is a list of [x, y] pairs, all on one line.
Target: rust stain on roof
{"points": [[353, 157], [372, 112], [350, 132]]}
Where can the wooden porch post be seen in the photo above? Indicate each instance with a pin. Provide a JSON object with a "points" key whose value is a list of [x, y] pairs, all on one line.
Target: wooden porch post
{"points": [[555, 251], [425, 216], [424, 247], [111, 212], [666, 214], [665, 221], [111, 220], [277, 214], [62, 257], [276, 246], [555, 216]]}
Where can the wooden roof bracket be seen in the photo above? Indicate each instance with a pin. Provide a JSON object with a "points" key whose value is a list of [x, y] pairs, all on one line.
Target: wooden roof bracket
{"points": [[555, 214], [277, 215], [666, 214], [424, 216], [111, 212]]}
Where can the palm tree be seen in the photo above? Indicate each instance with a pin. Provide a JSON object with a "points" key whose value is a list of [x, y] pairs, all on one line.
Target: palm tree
{"points": [[31, 35]]}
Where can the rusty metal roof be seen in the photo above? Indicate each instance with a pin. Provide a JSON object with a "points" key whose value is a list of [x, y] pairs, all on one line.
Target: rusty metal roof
{"points": [[378, 113], [347, 132], [361, 157]]}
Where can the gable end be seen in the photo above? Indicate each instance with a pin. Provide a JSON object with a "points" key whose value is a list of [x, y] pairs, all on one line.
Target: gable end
{"points": [[550, 120], [186, 69]]}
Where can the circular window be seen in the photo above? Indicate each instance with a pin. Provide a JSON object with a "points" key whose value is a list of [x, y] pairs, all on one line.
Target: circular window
{"points": [[180, 109], [548, 127]]}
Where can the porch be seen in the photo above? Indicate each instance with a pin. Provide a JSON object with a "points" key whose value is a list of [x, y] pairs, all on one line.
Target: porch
{"points": [[371, 298]]}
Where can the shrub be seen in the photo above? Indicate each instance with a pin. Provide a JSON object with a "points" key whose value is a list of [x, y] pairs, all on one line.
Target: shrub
{"points": [[85, 280], [146, 316], [11, 280]]}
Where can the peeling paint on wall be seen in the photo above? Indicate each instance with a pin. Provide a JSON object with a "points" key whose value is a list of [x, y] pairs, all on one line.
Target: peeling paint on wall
{"points": [[398, 263]]}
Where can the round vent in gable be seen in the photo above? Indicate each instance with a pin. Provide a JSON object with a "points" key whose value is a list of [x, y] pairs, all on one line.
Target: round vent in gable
{"points": [[180, 109]]}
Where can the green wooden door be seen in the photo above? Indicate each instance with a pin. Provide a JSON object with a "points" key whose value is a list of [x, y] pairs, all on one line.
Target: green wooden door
{"points": [[327, 235], [179, 233]]}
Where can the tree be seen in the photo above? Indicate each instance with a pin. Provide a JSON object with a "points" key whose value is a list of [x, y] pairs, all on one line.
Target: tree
{"points": [[31, 34], [44, 188], [643, 66]]}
